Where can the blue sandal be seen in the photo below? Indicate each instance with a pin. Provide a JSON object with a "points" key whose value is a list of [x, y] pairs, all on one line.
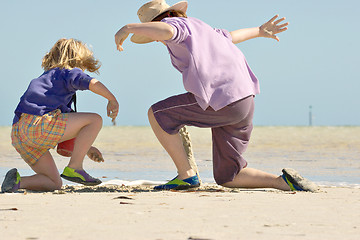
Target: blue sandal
{"points": [[177, 184], [296, 182]]}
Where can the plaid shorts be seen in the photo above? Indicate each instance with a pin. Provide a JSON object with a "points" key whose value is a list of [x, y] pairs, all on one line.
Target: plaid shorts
{"points": [[33, 135]]}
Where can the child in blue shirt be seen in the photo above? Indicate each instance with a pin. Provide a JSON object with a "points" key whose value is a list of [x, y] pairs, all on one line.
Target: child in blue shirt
{"points": [[44, 118]]}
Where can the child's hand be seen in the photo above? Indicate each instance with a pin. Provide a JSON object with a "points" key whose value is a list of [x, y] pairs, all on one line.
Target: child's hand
{"points": [[112, 109], [95, 155], [270, 28], [120, 37]]}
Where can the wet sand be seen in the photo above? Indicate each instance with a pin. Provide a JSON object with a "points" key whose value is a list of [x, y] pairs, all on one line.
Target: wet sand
{"points": [[327, 155]]}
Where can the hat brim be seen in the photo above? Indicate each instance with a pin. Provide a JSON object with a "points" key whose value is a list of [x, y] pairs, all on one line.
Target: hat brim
{"points": [[180, 6]]}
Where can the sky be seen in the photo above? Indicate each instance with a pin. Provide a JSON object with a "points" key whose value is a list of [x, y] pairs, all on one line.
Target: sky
{"points": [[316, 62]]}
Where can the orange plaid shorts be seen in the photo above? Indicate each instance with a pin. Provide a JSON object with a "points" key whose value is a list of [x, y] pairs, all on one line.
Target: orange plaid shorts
{"points": [[33, 135]]}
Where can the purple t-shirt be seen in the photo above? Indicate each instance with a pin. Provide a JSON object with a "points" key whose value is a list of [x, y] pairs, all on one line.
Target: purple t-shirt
{"points": [[52, 90], [213, 68]]}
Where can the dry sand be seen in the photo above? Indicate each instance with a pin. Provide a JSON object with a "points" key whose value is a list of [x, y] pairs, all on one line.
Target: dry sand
{"points": [[211, 212]]}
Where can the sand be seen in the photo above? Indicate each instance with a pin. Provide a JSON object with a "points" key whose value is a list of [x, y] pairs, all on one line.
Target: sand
{"points": [[211, 212], [322, 154]]}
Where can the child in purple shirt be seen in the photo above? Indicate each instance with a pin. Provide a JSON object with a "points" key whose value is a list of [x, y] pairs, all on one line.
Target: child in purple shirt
{"points": [[220, 90], [43, 118]]}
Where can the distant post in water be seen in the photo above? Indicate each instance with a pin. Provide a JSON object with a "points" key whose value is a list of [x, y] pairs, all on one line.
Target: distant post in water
{"points": [[310, 116]]}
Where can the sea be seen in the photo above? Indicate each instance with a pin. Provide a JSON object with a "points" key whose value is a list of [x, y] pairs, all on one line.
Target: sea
{"points": [[326, 155]]}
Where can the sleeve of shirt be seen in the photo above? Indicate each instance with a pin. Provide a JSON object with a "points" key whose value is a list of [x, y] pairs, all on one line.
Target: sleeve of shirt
{"points": [[223, 32], [181, 29], [77, 79]]}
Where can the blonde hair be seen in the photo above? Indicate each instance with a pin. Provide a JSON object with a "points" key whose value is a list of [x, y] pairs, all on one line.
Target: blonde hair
{"points": [[70, 53]]}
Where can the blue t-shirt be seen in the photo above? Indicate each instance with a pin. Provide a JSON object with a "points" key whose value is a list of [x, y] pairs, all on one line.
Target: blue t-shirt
{"points": [[52, 90]]}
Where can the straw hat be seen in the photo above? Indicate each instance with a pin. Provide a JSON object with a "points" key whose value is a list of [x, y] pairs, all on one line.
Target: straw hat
{"points": [[151, 10]]}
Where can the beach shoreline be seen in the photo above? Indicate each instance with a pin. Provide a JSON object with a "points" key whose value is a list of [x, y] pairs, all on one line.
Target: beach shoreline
{"points": [[210, 212], [326, 155]]}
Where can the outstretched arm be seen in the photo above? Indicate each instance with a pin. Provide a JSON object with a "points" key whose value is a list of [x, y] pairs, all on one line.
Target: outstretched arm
{"points": [[267, 30], [100, 89], [158, 31]]}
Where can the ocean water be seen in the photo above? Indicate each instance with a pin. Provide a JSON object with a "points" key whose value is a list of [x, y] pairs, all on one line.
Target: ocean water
{"points": [[329, 156]]}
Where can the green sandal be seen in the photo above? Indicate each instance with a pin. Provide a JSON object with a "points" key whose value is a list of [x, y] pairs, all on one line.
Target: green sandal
{"points": [[11, 181], [79, 176]]}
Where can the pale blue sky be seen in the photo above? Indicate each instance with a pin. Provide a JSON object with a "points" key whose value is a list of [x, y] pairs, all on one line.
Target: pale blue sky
{"points": [[315, 63]]}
